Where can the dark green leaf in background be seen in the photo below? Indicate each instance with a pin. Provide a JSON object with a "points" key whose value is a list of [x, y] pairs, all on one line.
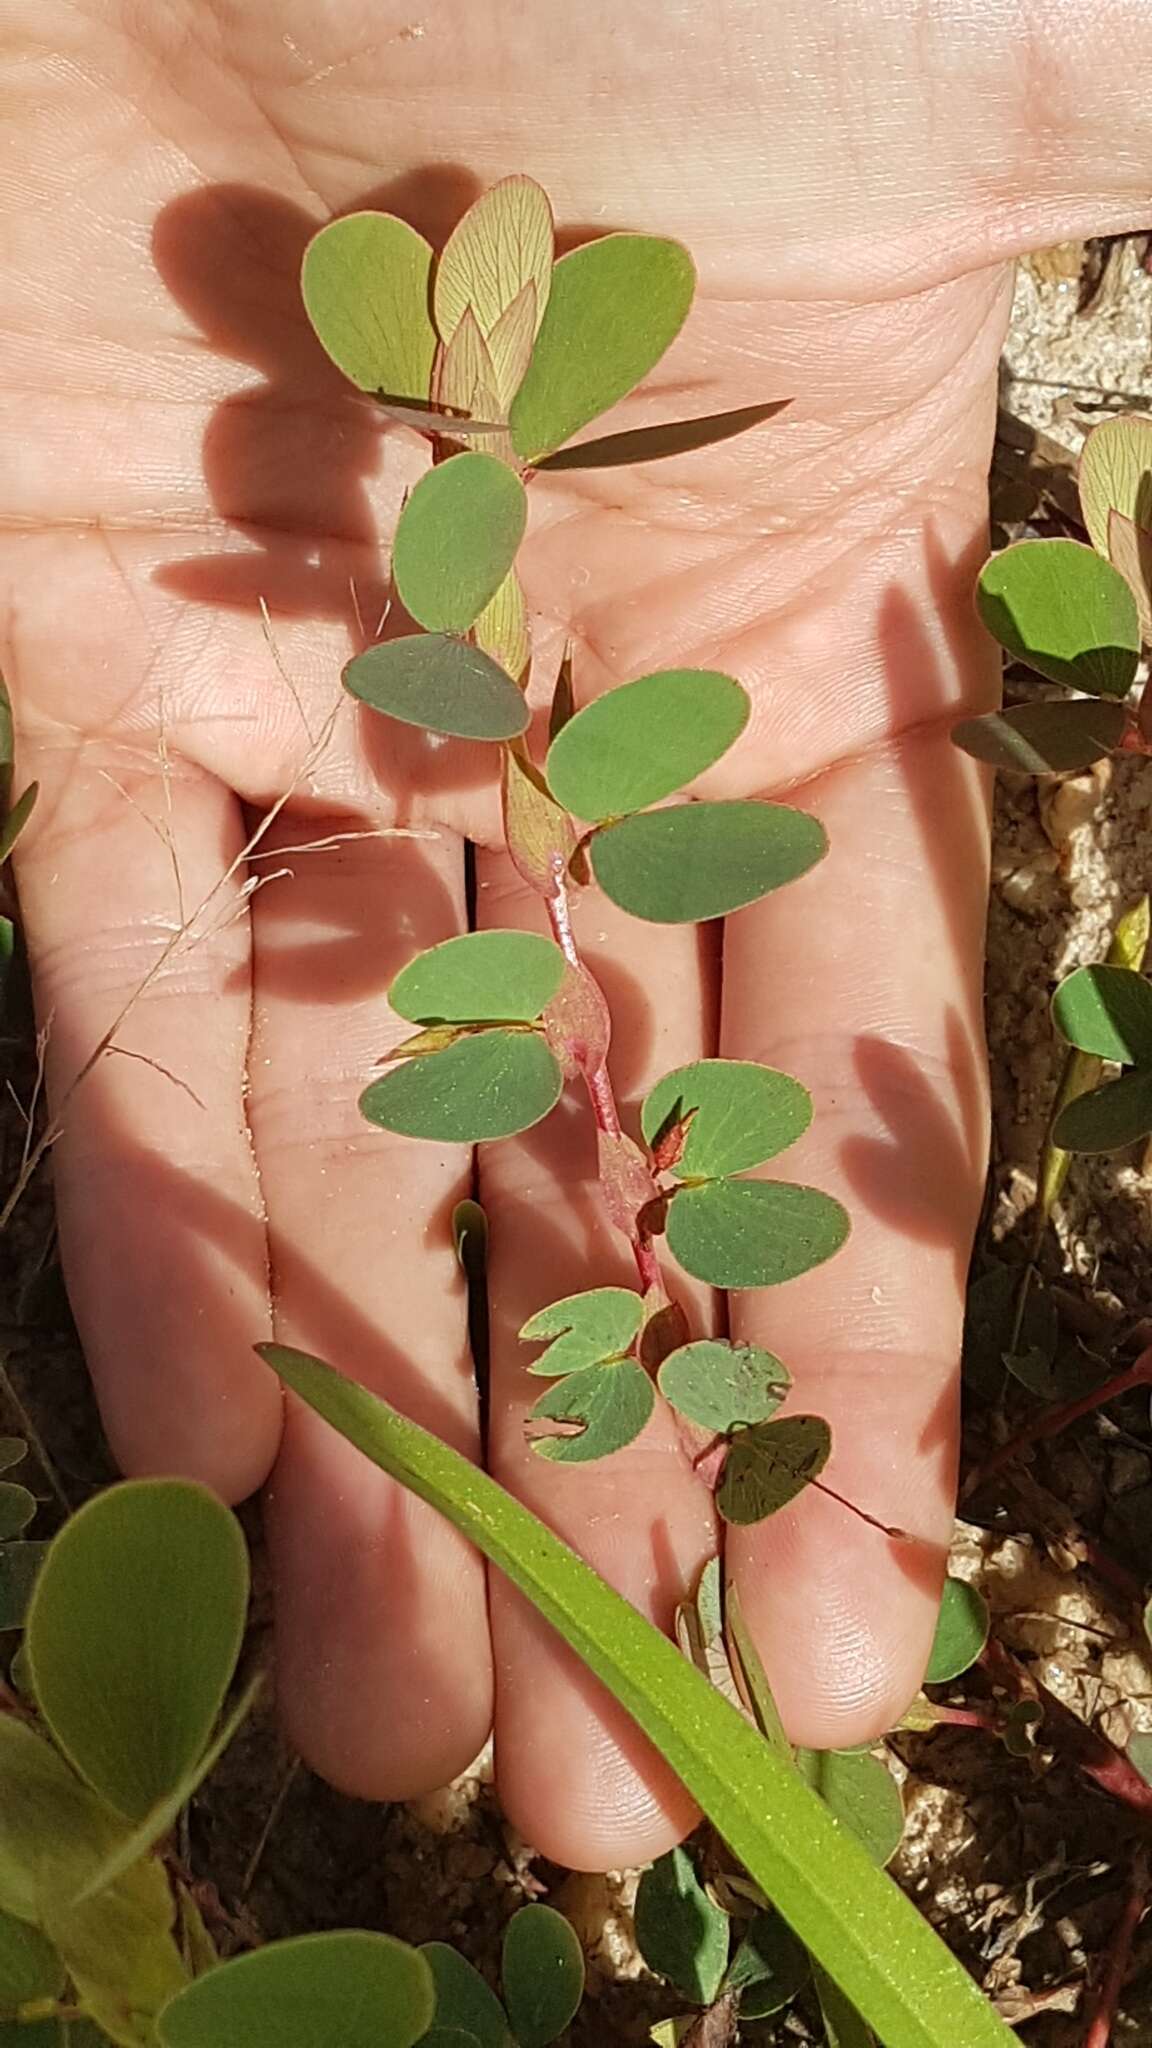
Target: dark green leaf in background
{"points": [[1065, 611], [1106, 1011], [440, 684], [861, 1792], [1043, 739], [697, 861], [961, 1631], [486, 1086], [541, 1975], [1108, 1118], [681, 1932], [342, 1990], [769, 1464]]}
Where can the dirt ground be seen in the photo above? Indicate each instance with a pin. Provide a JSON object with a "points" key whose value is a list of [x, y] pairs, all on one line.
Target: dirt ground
{"points": [[1019, 1855]]}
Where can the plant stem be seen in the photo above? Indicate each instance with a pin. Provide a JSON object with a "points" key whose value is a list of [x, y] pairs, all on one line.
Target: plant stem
{"points": [[596, 1077], [1119, 1955], [1057, 1419]]}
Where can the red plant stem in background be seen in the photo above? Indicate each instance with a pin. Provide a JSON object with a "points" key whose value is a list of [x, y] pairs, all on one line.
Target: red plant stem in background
{"points": [[598, 1082], [1119, 1956], [1086, 1747], [1056, 1419]]}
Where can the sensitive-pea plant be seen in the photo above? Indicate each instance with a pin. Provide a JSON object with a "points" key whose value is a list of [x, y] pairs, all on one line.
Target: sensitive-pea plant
{"points": [[1081, 616], [497, 345]]}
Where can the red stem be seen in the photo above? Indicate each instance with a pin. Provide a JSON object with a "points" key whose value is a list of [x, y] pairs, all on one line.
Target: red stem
{"points": [[1119, 1956], [598, 1081], [1056, 1419]]}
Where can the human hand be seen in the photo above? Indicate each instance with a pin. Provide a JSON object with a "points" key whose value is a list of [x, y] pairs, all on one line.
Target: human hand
{"points": [[850, 186]]}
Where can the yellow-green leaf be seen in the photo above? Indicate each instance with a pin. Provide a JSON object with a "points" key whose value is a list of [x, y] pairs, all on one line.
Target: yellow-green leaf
{"points": [[365, 281]]}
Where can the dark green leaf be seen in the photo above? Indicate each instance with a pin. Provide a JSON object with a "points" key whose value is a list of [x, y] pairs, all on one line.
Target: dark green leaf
{"points": [[843, 2025], [701, 860], [768, 1969], [17, 1509], [451, 2037], [133, 1632], [861, 1792], [463, 1999], [753, 1233], [17, 818], [1116, 475], [441, 684], [587, 1329], [644, 740], [600, 1409], [457, 539], [769, 1464], [505, 977], [741, 1114], [365, 281], [1063, 609], [19, 1564], [681, 1932], [1108, 1118], [1106, 1011], [29, 1965], [13, 1450], [1042, 739], [674, 437], [541, 1975], [723, 1386], [51, 2034], [614, 307], [487, 1086], [961, 1632], [344, 1990]]}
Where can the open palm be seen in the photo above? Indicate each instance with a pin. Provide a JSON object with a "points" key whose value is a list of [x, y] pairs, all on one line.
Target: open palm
{"points": [[181, 456]]}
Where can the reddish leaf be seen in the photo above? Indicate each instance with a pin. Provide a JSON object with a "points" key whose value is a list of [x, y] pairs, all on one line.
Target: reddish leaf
{"points": [[577, 1024], [541, 838], [625, 1180]]}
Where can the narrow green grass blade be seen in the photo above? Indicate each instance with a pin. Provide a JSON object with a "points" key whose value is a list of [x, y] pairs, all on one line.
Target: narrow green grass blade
{"points": [[889, 1962]]}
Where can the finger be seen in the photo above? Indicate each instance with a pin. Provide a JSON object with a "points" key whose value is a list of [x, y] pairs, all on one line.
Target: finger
{"points": [[873, 963], [384, 1669], [573, 1774], [161, 1221]]}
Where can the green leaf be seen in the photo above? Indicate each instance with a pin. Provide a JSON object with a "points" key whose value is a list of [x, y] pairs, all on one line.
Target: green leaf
{"points": [[502, 977], [673, 437], [723, 1386], [961, 1631], [1116, 475], [133, 1632], [1065, 611], [701, 860], [451, 2037], [19, 1565], [53, 1831], [1106, 1011], [855, 1921], [120, 1953], [768, 1969], [487, 1086], [16, 820], [644, 740], [29, 1965], [603, 1406], [13, 1451], [614, 307], [51, 2034], [345, 1990], [753, 1233], [365, 281], [862, 1794], [843, 2026], [587, 1329], [752, 1678], [681, 1932], [1043, 739], [541, 1975], [456, 540], [17, 1509], [1108, 1118], [441, 684], [463, 1999], [769, 1464], [741, 1114]]}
